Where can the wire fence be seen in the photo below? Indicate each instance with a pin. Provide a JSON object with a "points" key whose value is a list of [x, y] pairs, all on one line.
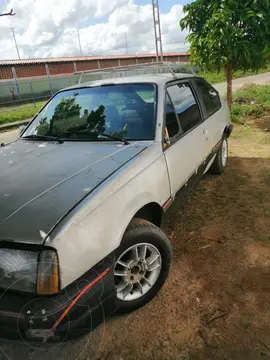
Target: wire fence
{"points": [[20, 94], [27, 93]]}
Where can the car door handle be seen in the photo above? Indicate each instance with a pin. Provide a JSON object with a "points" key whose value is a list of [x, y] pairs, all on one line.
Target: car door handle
{"points": [[205, 131]]}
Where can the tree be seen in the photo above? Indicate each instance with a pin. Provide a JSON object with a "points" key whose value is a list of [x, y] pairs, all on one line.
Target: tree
{"points": [[96, 119], [66, 110], [11, 13], [228, 34]]}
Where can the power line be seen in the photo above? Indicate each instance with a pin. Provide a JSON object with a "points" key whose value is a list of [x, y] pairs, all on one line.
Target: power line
{"points": [[14, 38]]}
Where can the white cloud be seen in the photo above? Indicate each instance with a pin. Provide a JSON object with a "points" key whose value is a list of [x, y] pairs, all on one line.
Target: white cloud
{"points": [[49, 28]]}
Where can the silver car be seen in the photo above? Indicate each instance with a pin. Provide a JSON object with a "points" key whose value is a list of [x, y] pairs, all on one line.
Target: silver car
{"points": [[85, 190]]}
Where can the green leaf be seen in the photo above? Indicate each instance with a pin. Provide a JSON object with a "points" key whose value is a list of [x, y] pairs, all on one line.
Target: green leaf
{"points": [[228, 29]]}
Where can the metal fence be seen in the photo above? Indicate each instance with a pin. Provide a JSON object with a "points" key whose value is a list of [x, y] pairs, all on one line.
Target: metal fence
{"points": [[28, 93]]}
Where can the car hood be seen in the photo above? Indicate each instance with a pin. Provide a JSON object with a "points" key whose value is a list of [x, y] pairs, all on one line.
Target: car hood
{"points": [[41, 182]]}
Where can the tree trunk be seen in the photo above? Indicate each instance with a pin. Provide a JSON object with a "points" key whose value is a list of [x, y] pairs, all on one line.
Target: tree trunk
{"points": [[229, 69]]}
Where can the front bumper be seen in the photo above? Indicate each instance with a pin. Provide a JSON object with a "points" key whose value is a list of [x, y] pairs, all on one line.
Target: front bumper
{"points": [[76, 310]]}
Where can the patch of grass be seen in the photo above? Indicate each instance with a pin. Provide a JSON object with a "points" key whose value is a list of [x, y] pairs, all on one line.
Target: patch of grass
{"points": [[242, 132], [249, 141], [240, 112], [265, 139], [259, 195], [215, 78], [259, 94], [257, 101], [20, 112]]}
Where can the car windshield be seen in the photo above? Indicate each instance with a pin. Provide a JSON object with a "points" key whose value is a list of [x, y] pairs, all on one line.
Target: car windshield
{"points": [[122, 111]]}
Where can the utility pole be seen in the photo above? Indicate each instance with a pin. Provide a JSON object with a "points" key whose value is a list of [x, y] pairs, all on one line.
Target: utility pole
{"points": [[14, 38], [157, 30], [126, 43], [80, 46]]}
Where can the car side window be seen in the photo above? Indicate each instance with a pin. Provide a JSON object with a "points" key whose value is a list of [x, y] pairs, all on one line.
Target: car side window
{"points": [[185, 105], [209, 97], [171, 120]]}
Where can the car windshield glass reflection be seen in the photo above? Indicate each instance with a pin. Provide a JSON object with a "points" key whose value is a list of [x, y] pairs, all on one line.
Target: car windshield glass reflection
{"points": [[121, 111]]}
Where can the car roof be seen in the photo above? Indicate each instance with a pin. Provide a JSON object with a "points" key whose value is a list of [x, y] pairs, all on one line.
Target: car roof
{"points": [[159, 79]]}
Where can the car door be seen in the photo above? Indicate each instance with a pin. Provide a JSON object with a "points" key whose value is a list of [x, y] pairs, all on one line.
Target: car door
{"points": [[185, 150], [214, 116]]}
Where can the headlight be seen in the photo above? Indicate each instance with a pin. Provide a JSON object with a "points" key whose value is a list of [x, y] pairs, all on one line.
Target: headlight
{"points": [[29, 271]]}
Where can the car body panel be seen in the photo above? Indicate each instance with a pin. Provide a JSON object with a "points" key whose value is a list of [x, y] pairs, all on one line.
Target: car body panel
{"points": [[52, 179], [96, 227], [185, 156], [216, 124]]}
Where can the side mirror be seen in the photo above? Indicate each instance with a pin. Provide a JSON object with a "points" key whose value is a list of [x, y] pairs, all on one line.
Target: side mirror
{"points": [[21, 129]]}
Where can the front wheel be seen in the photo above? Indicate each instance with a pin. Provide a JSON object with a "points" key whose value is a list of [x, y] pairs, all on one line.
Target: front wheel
{"points": [[221, 158], [142, 265]]}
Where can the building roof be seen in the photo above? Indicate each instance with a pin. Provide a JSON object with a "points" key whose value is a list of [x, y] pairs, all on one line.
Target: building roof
{"points": [[80, 58]]}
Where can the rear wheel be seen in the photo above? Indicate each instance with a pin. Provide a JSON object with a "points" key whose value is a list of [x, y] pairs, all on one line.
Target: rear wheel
{"points": [[221, 158], [142, 265]]}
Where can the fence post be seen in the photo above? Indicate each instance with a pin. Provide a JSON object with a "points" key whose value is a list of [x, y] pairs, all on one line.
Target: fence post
{"points": [[119, 62], [32, 92], [75, 66], [15, 80], [98, 62], [49, 78]]}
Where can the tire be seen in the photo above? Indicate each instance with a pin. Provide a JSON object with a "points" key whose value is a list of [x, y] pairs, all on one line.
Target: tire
{"points": [[141, 235], [221, 158]]}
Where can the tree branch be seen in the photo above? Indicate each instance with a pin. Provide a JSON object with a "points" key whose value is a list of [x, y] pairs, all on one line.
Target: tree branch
{"points": [[11, 13]]}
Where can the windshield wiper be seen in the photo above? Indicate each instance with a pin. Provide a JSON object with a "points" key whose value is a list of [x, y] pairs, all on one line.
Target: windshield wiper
{"points": [[43, 137], [117, 138], [95, 133]]}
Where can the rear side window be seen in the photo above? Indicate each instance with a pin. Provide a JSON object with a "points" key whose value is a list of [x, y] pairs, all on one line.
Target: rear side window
{"points": [[209, 97], [185, 105], [171, 120]]}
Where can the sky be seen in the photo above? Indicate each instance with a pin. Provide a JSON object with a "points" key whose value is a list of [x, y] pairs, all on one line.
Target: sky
{"points": [[48, 28]]}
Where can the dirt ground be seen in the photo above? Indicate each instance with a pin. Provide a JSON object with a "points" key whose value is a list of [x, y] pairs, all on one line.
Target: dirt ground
{"points": [[216, 302]]}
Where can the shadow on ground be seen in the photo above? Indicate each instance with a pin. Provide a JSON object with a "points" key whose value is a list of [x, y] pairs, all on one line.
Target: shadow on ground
{"points": [[215, 304]]}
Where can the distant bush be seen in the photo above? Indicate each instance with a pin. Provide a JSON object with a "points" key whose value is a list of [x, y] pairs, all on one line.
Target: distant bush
{"points": [[259, 94], [251, 100], [186, 68], [239, 112]]}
